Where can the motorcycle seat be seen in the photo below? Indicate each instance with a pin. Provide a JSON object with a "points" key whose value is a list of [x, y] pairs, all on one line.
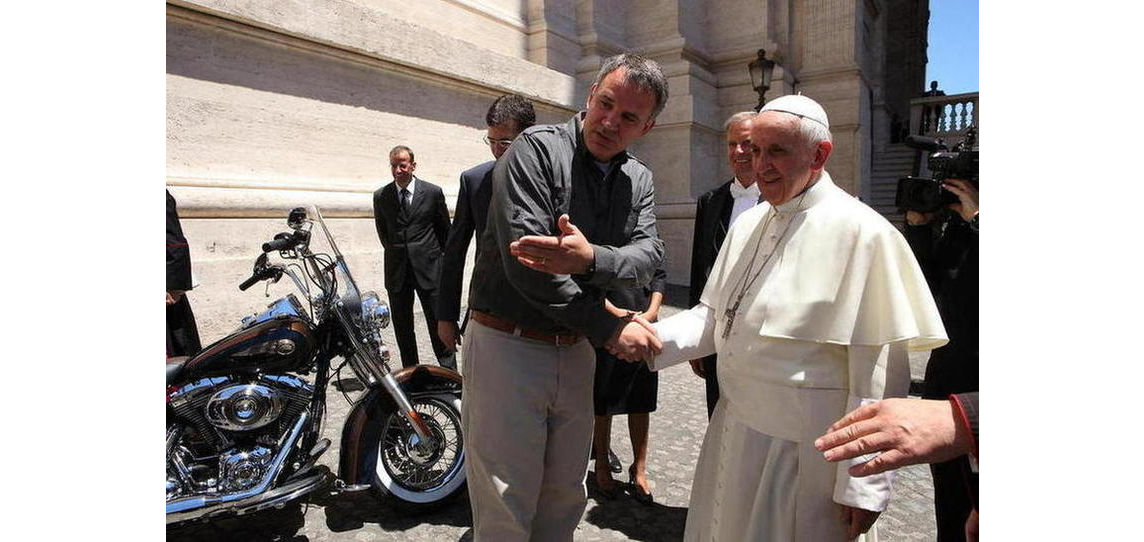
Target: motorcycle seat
{"points": [[174, 367]]}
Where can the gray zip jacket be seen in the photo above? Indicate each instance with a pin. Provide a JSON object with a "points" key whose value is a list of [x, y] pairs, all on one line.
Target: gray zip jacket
{"points": [[547, 172]]}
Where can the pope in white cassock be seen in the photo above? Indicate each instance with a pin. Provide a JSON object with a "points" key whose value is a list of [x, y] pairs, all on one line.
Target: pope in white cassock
{"points": [[812, 305]]}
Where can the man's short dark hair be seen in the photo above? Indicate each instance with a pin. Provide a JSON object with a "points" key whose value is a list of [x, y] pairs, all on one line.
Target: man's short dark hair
{"points": [[642, 72], [511, 108], [402, 149]]}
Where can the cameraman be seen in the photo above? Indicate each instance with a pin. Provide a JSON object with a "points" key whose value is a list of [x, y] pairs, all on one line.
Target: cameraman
{"points": [[945, 244]]}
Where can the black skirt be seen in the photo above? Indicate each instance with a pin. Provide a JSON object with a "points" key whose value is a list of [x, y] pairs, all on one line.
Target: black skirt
{"points": [[622, 387]]}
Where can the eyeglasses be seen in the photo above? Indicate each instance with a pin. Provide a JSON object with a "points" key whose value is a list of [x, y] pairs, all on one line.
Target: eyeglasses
{"points": [[501, 142]]}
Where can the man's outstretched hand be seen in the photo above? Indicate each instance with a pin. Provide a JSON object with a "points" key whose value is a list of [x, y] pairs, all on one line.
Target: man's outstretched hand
{"points": [[569, 253]]}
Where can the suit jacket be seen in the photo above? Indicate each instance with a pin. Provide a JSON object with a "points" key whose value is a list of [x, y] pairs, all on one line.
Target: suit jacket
{"points": [[712, 213], [413, 241], [472, 212]]}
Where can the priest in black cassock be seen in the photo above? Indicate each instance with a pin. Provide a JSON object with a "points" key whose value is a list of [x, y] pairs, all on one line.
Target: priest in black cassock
{"points": [[182, 333]]}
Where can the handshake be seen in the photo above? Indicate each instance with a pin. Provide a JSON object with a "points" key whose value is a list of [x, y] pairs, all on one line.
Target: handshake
{"points": [[636, 340], [570, 253]]}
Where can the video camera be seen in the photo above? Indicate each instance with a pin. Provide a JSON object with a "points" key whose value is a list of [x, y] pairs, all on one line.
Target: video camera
{"points": [[926, 195]]}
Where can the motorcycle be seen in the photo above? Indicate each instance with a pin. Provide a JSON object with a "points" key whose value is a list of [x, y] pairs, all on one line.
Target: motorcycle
{"points": [[244, 415]]}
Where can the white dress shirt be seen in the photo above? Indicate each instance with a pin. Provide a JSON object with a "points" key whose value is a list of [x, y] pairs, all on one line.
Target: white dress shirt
{"points": [[411, 187], [744, 198]]}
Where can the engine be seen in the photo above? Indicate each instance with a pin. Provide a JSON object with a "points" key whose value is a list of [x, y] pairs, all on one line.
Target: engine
{"points": [[227, 430]]}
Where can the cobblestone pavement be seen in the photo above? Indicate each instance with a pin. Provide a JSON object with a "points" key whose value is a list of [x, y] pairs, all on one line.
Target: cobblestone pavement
{"points": [[676, 433]]}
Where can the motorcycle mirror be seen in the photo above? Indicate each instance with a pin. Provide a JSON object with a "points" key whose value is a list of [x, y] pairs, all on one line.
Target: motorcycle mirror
{"points": [[297, 218]]}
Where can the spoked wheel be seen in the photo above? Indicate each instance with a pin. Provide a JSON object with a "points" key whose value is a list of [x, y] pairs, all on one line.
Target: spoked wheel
{"points": [[411, 475]]}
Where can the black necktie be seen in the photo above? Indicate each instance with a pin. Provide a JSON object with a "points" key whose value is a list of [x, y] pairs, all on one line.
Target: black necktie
{"points": [[405, 200]]}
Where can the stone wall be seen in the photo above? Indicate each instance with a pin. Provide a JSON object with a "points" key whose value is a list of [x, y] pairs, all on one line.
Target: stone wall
{"points": [[275, 102]]}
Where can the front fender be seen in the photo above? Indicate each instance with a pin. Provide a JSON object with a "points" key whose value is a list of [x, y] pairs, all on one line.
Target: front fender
{"points": [[376, 404]]}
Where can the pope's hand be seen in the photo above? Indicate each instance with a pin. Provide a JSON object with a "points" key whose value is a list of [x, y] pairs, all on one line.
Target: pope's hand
{"points": [[635, 341], [857, 520], [569, 253]]}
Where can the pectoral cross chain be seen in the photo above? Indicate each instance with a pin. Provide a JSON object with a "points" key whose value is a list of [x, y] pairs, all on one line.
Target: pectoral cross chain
{"points": [[730, 314], [748, 277]]}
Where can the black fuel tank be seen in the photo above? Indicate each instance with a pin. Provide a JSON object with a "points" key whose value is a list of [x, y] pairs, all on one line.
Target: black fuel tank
{"points": [[281, 343]]}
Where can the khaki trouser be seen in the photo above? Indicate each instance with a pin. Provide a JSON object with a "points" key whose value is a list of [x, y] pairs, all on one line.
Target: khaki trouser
{"points": [[527, 419]]}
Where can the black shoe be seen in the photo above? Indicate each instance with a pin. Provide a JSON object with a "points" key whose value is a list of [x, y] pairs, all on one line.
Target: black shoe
{"points": [[614, 464]]}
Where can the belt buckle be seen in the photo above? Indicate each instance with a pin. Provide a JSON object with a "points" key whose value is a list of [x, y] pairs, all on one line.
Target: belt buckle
{"points": [[564, 340]]}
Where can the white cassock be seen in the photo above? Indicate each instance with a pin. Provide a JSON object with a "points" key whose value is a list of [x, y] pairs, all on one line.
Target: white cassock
{"points": [[824, 328]]}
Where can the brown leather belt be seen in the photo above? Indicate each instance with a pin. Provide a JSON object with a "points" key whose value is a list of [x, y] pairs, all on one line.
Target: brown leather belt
{"points": [[510, 327]]}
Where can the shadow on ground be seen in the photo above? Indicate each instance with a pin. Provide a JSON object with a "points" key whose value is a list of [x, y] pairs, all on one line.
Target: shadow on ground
{"points": [[343, 512], [636, 520], [271, 525], [352, 511]]}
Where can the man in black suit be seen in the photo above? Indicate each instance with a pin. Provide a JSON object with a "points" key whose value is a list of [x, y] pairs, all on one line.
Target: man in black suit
{"points": [[506, 118], [412, 223], [715, 211]]}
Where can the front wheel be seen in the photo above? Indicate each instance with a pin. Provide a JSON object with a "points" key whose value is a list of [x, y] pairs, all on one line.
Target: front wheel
{"points": [[411, 476]]}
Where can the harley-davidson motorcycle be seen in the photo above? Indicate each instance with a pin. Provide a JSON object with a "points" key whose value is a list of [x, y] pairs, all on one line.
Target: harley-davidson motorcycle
{"points": [[244, 415]]}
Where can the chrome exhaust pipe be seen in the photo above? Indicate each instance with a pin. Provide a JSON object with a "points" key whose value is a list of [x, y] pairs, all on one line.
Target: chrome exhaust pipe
{"points": [[197, 506]]}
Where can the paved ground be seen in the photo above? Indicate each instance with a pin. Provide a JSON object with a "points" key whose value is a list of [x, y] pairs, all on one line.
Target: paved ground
{"points": [[677, 430]]}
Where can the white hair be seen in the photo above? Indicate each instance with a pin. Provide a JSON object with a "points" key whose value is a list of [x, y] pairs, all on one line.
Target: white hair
{"points": [[813, 132], [738, 118]]}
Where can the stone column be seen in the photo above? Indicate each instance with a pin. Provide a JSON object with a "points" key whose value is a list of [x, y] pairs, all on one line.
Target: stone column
{"points": [[552, 36], [830, 71], [684, 145]]}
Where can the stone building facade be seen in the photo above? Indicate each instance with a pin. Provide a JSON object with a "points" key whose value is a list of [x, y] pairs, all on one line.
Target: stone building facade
{"points": [[274, 103]]}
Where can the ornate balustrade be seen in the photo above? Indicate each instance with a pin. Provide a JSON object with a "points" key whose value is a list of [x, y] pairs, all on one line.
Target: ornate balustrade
{"points": [[947, 117]]}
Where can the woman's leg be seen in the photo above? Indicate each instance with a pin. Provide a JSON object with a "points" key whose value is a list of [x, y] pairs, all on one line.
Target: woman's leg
{"points": [[638, 430], [602, 437]]}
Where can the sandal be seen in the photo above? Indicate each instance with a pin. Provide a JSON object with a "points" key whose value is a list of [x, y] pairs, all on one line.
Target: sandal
{"points": [[638, 492]]}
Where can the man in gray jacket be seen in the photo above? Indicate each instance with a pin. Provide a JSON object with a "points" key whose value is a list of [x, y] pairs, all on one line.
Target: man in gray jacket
{"points": [[538, 309]]}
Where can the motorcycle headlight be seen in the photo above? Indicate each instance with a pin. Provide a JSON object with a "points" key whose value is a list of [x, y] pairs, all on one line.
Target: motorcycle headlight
{"points": [[374, 311]]}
